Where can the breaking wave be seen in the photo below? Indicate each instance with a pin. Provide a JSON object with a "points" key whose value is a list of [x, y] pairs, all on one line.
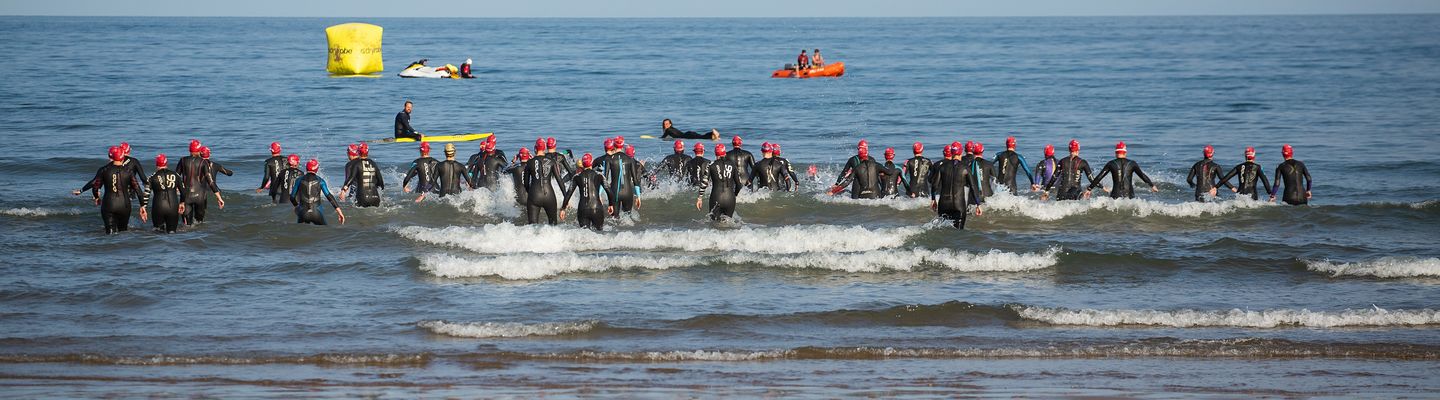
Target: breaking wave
{"points": [[1387, 267]]}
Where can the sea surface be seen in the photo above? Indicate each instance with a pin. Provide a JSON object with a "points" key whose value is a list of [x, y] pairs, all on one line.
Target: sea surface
{"points": [[805, 295]]}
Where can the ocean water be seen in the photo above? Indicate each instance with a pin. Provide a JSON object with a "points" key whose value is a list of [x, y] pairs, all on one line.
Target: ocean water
{"points": [[806, 296]]}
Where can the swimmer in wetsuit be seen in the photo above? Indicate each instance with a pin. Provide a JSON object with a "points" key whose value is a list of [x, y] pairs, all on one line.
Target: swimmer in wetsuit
{"points": [[673, 166], [402, 124], [284, 183], [668, 130], [562, 159], [212, 166], [983, 170], [849, 168], [308, 192], [1008, 165], [1122, 171], [166, 201], [1067, 176], [1204, 176], [744, 161], [352, 154], [864, 177], [364, 175], [723, 181], [788, 181], [1045, 169], [492, 166], [890, 175], [696, 167], [915, 173], [516, 169], [1249, 173], [424, 169], [766, 174], [273, 166], [135, 167], [199, 182], [119, 183], [451, 175], [952, 186], [539, 173], [1294, 175], [620, 173], [589, 184]]}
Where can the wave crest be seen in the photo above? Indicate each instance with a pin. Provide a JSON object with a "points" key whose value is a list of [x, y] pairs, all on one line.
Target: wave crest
{"points": [[1232, 318], [506, 329], [506, 239], [1387, 267]]}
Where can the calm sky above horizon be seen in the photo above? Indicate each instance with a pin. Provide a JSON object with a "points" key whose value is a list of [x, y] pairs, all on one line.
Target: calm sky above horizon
{"points": [[728, 8]]}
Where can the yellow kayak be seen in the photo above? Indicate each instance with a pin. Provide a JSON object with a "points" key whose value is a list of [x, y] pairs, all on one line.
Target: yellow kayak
{"points": [[464, 137]]}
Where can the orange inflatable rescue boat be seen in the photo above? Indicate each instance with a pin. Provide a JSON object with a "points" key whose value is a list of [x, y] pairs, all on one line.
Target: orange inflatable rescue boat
{"points": [[829, 70]]}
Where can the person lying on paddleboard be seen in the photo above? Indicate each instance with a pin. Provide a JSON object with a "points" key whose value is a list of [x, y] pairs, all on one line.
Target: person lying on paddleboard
{"points": [[669, 131]]}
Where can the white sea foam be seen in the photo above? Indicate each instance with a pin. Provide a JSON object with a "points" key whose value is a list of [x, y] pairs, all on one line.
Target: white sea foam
{"points": [[506, 239], [1233, 318], [40, 211], [506, 329], [499, 201], [1055, 210], [1386, 267], [898, 203], [541, 266]]}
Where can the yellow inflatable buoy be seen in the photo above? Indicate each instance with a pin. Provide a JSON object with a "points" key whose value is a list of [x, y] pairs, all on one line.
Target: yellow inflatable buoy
{"points": [[354, 49]]}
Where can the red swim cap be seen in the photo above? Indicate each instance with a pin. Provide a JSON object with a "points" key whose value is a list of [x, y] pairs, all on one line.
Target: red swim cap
{"points": [[889, 153], [116, 154], [194, 146], [969, 147], [364, 149], [549, 142], [918, 147], [1010, 143], [954, 146], [765, 147], [619, 141], [630, 151], [699, 149], [160, 160], [125, 147], [274, 147], [540, 144], [490, 139], [979, 148], [293, 160], [736, 141], [1049, 150], [524, 154], [587, 160], [609, 144], [1249, 153], [205, 152], [312, 166], [425, 148], [1074, 145], [864, 153], [679, 146], [488, 145], [1287, 151], [1209, 151], [352, 150], [946, 151], [719, 150], [863, 144], [775, 148], [1120, 148]]}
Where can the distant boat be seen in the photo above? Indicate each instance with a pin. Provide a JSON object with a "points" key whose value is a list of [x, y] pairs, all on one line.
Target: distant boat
{"points": [[829, 70]]}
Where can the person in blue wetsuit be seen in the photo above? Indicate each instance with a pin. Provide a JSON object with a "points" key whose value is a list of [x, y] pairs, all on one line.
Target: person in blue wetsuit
{"points": [[1045, 169], [308, 192]]}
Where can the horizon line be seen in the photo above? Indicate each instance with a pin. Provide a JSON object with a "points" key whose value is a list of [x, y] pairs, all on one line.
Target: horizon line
{"points": [[1319, 14]]}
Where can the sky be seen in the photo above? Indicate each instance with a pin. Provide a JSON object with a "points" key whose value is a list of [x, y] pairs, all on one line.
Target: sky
{"points": [[710, 8]]}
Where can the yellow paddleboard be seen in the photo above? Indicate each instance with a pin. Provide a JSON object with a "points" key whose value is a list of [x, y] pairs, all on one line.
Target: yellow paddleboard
{"points": [[464, 137]]}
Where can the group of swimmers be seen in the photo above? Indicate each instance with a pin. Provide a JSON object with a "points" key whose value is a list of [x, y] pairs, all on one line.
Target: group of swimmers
{"points": [[611, 184]]}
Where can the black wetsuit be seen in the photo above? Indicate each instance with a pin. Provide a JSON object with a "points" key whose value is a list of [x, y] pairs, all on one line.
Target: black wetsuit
{"points": [[1008, 166], [273, 166], [451, 177], [590, 209], [347, 185], [744, 163], [620, 173], [695, 170], [119, 183], [915, 174], [198, 184], [139, 171], [788, 181], [1249, 173], [306, 196], [422, 168], [951, 188], [284, 183], [865, 174], [1122, 173], [517, 181], [566, 164], [1067, 175], [723, 181], [767, 174], [673, 166], [403, 128], [984, 172], [539, 173], [363, 175], [165, 199], [1292, 172], [485, 168], [671, 132], [890, 179], [215, 167], [1204, 175]]}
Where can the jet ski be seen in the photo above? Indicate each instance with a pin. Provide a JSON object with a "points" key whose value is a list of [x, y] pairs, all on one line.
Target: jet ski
{"points": [[418, 69]]}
